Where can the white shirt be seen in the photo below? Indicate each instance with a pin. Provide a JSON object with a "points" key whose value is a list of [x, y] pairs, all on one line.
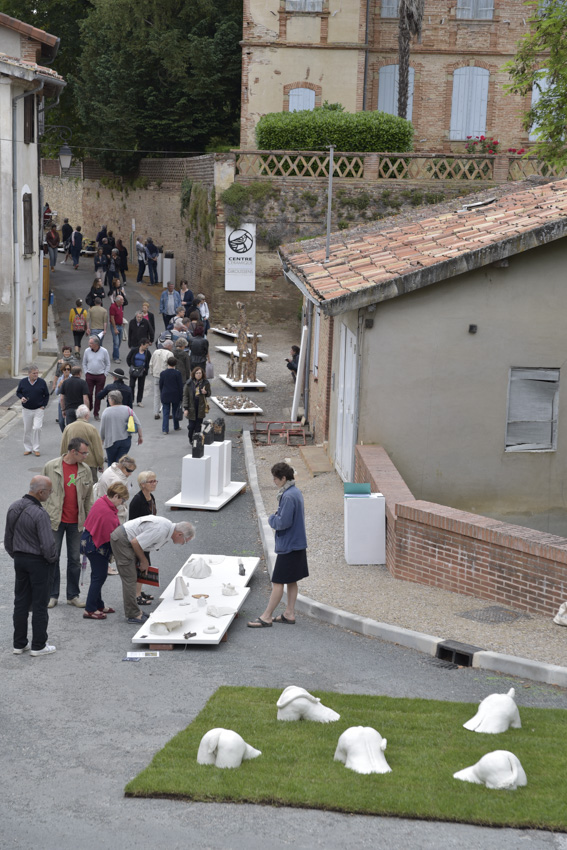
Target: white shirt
{"points": [[151, 532], [159, 361]]}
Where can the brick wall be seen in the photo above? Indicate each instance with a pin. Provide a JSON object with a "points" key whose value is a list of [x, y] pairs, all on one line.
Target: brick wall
{"points": [[463, 552]]}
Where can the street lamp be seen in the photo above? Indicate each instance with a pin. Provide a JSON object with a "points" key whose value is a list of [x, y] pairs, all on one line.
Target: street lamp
{"points": [[65, 152], [65, 156]]}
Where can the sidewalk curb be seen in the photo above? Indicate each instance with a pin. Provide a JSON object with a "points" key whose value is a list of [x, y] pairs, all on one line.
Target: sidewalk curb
{"points": [[550, 674]]}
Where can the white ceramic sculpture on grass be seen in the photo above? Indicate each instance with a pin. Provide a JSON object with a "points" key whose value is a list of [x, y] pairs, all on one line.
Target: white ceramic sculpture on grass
{"points": [[361, 748], [496, 713], [499, 770], [181, 589], [225, 748], [298, 704], [196, 568]]}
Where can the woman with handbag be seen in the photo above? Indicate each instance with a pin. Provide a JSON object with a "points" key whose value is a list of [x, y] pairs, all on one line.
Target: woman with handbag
{"points": [[118, 423], [79, 321], [116, 290], [144, 504], [138, 360], [101, 521], [96, 291], [195, 404]]}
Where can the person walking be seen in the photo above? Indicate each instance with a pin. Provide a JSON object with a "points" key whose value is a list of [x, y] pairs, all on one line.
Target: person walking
{"points": [[65, 375], [100, 265], [95, 544], [96, 366], [141, 255], [76, 246], [144, 504], [28, 540], [66, 233], [116, 316], [138, 360], [79, 321], [204, 312], [150, 318], [96, 291], [34, 396], [68, 505], [169, 303], [171, 393], [113, 270], [130, 541], [138, 329], [118, 290], [195, 394], [186, 297], [53, 242], [158, 363], [83, 429], [183, 359], [120, 385], [116, 438], [151, 259], [98, 319], [291, 548], [73, 392], [122, 259], [101, 235], [199, 347], [66, 359]]}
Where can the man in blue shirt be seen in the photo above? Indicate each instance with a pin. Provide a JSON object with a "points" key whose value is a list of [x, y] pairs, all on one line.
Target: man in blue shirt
{"points": [[169, 303], [34, 396]]}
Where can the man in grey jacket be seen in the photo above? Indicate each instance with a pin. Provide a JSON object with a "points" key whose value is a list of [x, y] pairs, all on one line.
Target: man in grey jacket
{"points": [[29, 541]]}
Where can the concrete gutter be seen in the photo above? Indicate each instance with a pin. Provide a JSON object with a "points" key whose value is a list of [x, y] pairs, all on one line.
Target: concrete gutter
{"points": [[550, 674]]}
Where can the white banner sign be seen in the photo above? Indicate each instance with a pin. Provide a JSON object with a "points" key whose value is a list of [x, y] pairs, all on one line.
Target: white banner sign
{"points": [[240, 258]]}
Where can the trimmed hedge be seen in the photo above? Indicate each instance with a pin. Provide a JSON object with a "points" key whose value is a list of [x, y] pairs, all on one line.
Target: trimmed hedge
{"points": [[312, 130]]}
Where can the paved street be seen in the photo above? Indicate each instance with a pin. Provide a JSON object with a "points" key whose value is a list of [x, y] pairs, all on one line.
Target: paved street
{"points": [[78, 725]]}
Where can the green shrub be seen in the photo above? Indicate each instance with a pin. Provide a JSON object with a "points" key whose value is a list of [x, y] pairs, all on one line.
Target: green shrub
{"points": [[315, 129], [310, 198], [238, 200], [434, 197], [342, 225]]}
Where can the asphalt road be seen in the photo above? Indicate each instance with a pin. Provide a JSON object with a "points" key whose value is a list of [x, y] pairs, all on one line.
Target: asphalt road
{"points": [[78, 725]]}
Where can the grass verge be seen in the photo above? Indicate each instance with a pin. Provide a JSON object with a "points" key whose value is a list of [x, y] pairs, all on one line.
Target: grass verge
{"points": [[426, 745]]}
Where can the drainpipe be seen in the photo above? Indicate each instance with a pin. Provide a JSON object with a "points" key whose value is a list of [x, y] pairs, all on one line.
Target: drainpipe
{"points": [[308, 358], [365, 80], [17, 311]]}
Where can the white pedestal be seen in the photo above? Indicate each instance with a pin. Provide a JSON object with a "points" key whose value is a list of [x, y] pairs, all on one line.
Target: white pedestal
{"points": [[232, 349], [365, 529], [243, 385], [196, 479], [227, 462], [220, 402], [216, 452], [168, 270]]}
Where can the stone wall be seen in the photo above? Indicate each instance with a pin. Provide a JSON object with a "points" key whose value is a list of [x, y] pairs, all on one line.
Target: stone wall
{"points": [[462, 552]]}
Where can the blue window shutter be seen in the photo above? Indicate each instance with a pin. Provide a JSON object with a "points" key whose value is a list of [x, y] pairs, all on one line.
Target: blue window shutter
{"points": [[539, 87], [388, 82], [470, 99], [301, 100]]}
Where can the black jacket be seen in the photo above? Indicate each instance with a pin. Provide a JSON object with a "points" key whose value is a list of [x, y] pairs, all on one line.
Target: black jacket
{"points": [[138, 332], [131, 354]]}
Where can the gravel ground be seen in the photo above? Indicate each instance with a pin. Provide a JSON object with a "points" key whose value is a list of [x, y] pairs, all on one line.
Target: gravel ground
{"points": [[370, 591]]}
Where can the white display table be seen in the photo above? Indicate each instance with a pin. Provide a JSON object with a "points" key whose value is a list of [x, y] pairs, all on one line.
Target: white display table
{"points": [[206, 481], [193, 617], [253, 407], [232, 349], [244, 385], [230, 334]]}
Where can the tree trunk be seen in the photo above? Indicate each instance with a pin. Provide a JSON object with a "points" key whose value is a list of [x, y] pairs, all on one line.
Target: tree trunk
{"points": [[410, 17]]}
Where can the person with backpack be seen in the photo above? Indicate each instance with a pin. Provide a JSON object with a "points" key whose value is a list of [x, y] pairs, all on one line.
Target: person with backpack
{"points": [[76, 246], [79, 321]]}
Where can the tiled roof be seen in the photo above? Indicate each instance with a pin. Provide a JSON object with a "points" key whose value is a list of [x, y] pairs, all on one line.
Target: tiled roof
{"points": [[374, 262], [27, 29], [42, 70]]}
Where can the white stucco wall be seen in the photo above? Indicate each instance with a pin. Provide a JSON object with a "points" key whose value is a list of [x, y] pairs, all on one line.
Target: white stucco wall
{"points": [[435, 396]]}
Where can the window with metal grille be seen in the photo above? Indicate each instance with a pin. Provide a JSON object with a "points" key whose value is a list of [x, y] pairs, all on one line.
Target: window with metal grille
{"points": [[28, 223], [533, 396], [29, 119], [470, 99], [301, 100], [304, 5], [478, 10], [389, 8], [388, 80]]}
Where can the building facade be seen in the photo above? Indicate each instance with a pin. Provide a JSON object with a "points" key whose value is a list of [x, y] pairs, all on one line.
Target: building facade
{"points": [[297, 54], [25, 87]]}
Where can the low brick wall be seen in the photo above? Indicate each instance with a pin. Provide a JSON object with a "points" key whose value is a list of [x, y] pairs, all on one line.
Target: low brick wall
{"points": [[463, 552]]}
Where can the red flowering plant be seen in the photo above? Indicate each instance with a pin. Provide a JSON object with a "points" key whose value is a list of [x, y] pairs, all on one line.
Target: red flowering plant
{"points": [[482, 145], [517, 151]]}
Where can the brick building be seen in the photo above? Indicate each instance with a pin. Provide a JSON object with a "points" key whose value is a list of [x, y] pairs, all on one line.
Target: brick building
{"points": [[296, 54]]}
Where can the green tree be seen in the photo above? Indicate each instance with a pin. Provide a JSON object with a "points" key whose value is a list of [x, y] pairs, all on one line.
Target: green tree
{"points": [[158, 75], [541, 62]]}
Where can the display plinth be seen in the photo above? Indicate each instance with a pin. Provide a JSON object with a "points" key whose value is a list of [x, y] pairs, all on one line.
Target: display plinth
{"points": [[231, 334], [195, 618], [198, 483], [243, 385], [232, 349], [221, 402]]}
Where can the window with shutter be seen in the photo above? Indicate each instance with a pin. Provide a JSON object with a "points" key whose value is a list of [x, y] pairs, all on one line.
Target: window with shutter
{"points": [[28, 223], [470, 98], [304, 5], [388, 80], [540, 86], [533, 396], [301, 100], [29, 119], [390, 8], [477, 10]]}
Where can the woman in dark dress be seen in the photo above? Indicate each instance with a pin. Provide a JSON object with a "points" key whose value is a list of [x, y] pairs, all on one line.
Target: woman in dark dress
{"points": [[291, 545], [195, 395], [199, 347], [144, 504], [122, 259], [138, 360]]}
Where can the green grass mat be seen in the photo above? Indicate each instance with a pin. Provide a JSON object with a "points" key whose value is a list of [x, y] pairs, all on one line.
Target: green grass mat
{"points": [[426, 745]]}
